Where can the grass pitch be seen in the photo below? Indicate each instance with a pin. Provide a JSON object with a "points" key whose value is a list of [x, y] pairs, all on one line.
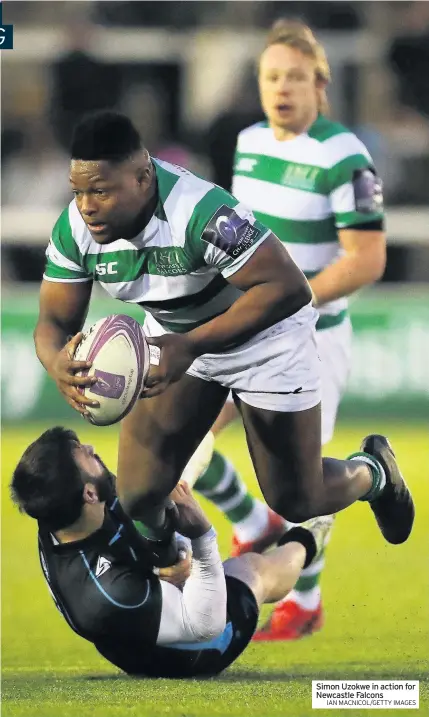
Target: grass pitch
{"points": [[376, 600]]}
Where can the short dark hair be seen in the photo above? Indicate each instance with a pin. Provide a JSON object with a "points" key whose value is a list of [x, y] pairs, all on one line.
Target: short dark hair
{"points": [[47, 483], [105, 135]]}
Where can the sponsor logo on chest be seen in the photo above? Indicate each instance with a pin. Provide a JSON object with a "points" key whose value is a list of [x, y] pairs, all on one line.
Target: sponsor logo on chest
{"points": [[246, 164], [299, 176], [106, 267]]}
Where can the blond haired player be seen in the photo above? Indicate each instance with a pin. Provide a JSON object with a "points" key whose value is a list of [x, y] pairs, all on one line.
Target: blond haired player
{"points": [[313, 183]]}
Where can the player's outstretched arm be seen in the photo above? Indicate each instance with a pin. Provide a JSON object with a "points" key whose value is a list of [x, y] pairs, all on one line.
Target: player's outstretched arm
{"points": [[199, 613], [62, 313]]}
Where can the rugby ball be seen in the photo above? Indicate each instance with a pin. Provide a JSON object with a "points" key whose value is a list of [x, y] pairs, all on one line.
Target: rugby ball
{"points": [[119, 353]]}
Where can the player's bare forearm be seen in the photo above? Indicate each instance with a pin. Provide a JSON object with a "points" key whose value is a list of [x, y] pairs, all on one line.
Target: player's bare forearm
{"points": [[62, 313], [343, 278], [363, 263], [274, 287], [49, 339]]}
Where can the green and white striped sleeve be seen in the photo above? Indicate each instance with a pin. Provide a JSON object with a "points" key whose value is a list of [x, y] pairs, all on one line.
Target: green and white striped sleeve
{"points": [[355, 190], [63, 258], [223, 232]]}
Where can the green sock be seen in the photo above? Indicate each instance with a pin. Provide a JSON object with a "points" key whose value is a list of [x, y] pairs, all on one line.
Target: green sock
{"points": [[377, 472], [223, 487], [161, 542], [310, 577], [150, 533], [160, 532]]}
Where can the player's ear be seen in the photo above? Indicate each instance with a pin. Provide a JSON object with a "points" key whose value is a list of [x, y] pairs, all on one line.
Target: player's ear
{"points": [[144, 168], [90, 494], [140, 175], [321, 84]]}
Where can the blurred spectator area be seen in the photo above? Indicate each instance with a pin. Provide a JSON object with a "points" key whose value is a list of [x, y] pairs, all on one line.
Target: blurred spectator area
{"points": [[185, 73]]}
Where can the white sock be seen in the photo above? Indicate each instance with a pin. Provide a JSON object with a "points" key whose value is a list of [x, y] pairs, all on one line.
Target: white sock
{"points": [[254, 524], [308, 600]]}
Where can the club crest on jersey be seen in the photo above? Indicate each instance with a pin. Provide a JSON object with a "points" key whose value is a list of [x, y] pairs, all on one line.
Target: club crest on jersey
{"points": [[167, 261], [103, 566], [230, 233]]}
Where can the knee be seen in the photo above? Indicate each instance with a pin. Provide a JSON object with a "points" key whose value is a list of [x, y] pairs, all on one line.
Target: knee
{"points": [[250, 569], [300, 513]]}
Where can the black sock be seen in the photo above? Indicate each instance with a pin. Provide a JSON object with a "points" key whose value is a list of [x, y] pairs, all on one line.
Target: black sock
{"points": [[301, 535]]}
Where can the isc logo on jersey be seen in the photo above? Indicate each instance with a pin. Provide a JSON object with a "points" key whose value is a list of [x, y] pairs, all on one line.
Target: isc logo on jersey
{"points": [[108, 267]]}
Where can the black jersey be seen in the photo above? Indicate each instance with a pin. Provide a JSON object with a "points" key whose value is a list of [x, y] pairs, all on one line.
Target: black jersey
{"points": [[105, 588], [104, 585]]}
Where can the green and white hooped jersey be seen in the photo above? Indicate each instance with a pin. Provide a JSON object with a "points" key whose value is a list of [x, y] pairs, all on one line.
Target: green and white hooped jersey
{"points": [[177, 267], [307, 188]]}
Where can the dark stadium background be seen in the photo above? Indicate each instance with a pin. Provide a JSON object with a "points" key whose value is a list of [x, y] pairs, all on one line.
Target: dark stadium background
{"points": [[184, 71]]}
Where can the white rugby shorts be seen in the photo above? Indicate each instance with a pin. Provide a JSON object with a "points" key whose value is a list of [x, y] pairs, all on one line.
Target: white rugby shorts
{"points": [[335, 350], [334, 346], [278, 369]]}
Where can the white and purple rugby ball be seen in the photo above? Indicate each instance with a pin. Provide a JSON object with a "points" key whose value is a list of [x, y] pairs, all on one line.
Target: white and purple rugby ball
{"points": [[119, 353]]}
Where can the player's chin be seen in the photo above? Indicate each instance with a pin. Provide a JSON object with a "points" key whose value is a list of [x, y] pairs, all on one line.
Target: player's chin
{"points": [[105, 236], [104, 239], [285, 121]]}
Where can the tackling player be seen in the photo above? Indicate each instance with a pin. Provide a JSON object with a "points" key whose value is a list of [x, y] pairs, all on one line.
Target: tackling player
{"points": [[226, 307], [101, 576]]}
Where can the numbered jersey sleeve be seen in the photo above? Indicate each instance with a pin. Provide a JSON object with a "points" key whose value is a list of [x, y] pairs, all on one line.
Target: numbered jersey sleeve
{"points": [[63, 258], [355, 189], [223, 232]]}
